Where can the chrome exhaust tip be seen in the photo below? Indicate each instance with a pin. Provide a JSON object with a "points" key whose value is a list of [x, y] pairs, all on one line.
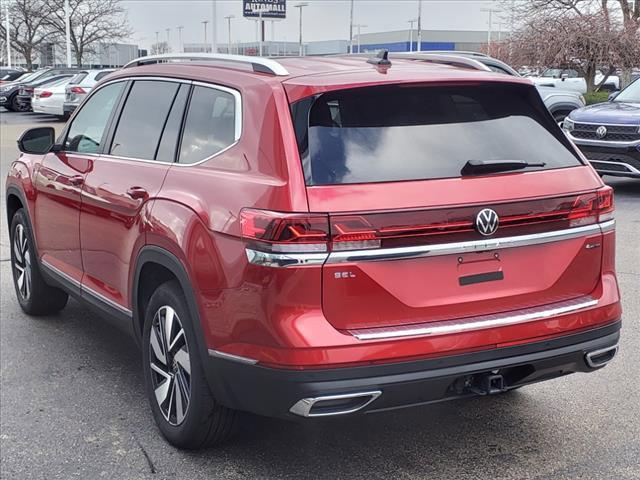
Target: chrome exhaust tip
{"points": [[599, 358], [330, 405]]}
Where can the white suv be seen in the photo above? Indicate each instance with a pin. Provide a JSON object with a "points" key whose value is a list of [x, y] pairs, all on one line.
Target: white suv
{"points": [[79, 86]]}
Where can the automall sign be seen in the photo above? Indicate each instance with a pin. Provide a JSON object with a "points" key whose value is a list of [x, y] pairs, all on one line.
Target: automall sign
{"points": [[268, 8]]}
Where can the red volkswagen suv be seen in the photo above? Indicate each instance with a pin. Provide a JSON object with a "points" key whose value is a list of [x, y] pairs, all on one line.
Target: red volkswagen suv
{"points": [[319, 236]]}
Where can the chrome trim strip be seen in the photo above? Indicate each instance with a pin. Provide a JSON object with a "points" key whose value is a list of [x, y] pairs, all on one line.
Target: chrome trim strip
{"points": [[84, 288], [61, 273], [631, 168], [461, 247], [475, 323], [303, 407], [232, 357], [108, 301], [594, 124], [602, 143], [589, 356], [285, 259], [608, 226]]}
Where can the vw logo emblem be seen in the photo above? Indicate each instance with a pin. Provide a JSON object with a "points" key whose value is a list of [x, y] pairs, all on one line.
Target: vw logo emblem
{"points": [[487, 222], [601, 131]]}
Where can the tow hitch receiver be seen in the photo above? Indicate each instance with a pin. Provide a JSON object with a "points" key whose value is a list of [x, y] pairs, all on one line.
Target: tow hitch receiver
{"points": [[487, 384]]}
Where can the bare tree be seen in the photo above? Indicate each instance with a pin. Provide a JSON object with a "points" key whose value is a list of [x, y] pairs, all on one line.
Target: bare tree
{"points": [[160, 47], [92, 22], [616, 21], [28, 28]]}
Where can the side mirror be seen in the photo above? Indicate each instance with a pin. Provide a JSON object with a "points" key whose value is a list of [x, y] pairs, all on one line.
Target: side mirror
{"points": [[38, 140], [613, 95], [564, 76]]}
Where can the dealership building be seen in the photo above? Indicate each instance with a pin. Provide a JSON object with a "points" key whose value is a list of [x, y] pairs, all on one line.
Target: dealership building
{"points": [[407, 40]]}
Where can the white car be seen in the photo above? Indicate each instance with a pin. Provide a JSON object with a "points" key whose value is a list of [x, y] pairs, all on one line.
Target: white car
{"points": [[80, 86], [50, 99], [568, 79]]}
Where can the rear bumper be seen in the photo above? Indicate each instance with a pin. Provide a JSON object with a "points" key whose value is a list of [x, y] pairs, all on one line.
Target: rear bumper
{"points": [[68, 107], [291, 393]]}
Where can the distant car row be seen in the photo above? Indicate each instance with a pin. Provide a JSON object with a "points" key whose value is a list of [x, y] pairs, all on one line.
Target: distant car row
{"points": [[54, 91]]}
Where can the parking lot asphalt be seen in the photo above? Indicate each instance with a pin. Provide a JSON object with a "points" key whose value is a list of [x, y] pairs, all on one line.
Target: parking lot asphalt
{"points": [[72, 404]]}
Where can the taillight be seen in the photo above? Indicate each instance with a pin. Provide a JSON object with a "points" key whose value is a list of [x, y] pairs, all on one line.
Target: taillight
{"points": [[285, 232], [45, 94], [592, 208], [77, 90]]}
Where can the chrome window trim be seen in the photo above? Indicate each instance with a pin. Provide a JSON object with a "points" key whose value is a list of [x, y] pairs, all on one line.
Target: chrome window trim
{"points": [[475, 323], [284, 260], [237, 127], [606, 124], [462, 247]]}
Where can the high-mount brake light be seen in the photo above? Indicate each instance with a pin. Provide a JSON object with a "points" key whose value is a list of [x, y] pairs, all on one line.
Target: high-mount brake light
{"points": [[285, 232]]}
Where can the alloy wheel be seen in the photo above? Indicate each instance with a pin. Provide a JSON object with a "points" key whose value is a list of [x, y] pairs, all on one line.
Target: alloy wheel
{"points": [[22, 262], [170, 365]]}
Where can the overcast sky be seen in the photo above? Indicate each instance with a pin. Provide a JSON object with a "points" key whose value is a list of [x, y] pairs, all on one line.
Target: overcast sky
{"points": [[322, 19]]}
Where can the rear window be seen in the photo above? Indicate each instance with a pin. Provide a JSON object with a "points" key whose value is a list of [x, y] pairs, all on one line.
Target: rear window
{"points": [[397, 133]]}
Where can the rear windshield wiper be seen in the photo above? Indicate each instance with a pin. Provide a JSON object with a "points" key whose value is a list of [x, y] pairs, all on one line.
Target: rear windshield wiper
{"points": [[479, 167]]}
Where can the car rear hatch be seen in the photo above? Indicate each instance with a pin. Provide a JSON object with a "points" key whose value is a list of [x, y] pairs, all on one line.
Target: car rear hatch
{"points": [[446, 201]]}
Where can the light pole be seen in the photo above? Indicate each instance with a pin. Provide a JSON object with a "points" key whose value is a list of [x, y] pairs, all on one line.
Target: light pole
{"points": [[204, 22], [359, 26], [6, 25], [158, 43], [419, 46], [491, 11], [351, 29], [411, 22], [228, 18], [214, 38], [168, 41], [180, 47], [300, 6], [67, 27]]}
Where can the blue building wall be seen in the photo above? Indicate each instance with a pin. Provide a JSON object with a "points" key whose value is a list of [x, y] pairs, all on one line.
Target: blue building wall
{"points": [[404, 46]]}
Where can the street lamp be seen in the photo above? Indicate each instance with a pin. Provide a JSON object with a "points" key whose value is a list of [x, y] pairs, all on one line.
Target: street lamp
{"points": [[204, 22], [300, 6], [180, 47], [411, 22], [7, 25], [229, 17], [419, 46], [491, 11], [359, 26]]}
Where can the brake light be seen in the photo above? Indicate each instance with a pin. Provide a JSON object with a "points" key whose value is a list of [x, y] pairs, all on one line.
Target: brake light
{"points": [[592, 208], [45, 94], [285, 232], [77, 90]]}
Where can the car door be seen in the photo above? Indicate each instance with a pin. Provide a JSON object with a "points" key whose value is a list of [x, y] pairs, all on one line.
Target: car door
{"points": [[59, 180], [122, 184]]}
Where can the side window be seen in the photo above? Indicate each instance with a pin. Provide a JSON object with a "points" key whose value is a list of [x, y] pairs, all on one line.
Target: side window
{"points": [[142, 119], [210, 124], [101, 75], [171, 132], [87, 129]]}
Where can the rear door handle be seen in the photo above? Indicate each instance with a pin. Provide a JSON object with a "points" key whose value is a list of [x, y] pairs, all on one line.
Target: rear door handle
{"points": [[137, 193]]}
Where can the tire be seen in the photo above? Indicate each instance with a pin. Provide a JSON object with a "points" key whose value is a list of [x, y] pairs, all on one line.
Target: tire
{"points": [[184, 409], [35, 296], [17, 106]]}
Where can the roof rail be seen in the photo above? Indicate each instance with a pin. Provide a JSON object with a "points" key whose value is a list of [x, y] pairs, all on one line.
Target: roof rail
{"points": [[467, 53], [454, 60], [259, 64]]}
